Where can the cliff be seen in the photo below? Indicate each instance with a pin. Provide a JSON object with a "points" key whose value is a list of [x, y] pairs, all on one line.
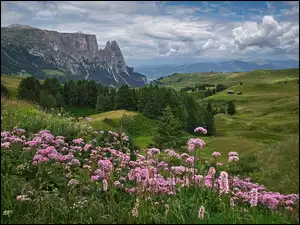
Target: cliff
{"points": [[72, 55]]}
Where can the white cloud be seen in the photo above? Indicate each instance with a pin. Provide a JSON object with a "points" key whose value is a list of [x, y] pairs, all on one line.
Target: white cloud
{"points": [[268, 34], [146, 30]]}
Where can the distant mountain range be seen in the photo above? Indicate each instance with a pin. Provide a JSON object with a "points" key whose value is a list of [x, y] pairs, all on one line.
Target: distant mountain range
{"points": [[75, 56], [155, 72]]}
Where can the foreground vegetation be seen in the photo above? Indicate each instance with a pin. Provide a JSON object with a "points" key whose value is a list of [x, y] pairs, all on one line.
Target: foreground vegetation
{"points": [[264, 130], [267, 116], [102, 179]]}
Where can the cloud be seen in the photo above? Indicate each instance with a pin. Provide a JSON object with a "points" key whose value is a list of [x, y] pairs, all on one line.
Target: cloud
{"points": [[161, 30], [268, 34]]}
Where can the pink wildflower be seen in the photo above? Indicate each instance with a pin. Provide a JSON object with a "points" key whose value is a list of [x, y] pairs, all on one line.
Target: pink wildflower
{"points": [[200, 130], [73, 182], [117, 184], [86, 147], [22, 198], [195, 142], [166, 210], [5, 145], [190, 160], [233, 154], [223, 182], [216, 154], [212, 171], [208, 182], [105, 184], [233, 159], [289, 202], [232, 205], [135, 211], [254, 197], [78, 141], [201, 213], [95, 178]]}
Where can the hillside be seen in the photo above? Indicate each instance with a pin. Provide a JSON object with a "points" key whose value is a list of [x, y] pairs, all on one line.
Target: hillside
{"points": [[267, 116], [12, 83], [156, 71]]}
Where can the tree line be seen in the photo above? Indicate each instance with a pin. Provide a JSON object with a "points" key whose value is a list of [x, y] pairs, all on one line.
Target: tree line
{"points": [[151, 100]]}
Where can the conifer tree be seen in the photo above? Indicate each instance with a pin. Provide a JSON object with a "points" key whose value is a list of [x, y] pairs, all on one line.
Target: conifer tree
{"points": [[103, 102], [210, 121], [231, 108], [168, 134]]}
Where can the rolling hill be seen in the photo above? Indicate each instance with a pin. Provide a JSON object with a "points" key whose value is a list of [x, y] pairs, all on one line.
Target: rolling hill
{"points": [[267, 117]]}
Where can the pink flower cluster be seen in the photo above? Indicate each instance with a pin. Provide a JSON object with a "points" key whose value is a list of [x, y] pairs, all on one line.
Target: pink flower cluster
{"points": [[216, 154], [200, 130], [150, 174], [233, 157], [193, 143], [256, 194]]}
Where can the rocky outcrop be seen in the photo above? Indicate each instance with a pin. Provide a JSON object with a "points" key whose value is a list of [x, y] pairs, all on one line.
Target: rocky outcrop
{"points": [[74, 54]]}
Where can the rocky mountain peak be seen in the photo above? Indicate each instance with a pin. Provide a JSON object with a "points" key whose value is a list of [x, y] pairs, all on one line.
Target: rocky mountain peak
{"points": [[75, 54]]}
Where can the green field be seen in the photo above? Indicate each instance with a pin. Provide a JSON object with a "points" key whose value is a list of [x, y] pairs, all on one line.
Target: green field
{"points": [[267, 116], [12, 83]]}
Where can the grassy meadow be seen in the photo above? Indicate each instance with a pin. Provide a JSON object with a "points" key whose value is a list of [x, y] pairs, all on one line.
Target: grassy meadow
{"points": [[267, 116], [264, 131], [45, 194]]}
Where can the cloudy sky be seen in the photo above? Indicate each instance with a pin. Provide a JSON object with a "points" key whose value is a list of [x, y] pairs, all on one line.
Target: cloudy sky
{"points": [[168, 32]]}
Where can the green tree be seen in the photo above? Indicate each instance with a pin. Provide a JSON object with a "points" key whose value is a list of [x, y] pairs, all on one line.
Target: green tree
{"points": [[29, 89], [210, 121], [231, 108], [220, 87], [168, 133], [103, 102], [46, 100], [125, 98]]}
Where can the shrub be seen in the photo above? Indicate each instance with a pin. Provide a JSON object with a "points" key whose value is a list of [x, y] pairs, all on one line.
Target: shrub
{"points": [[231, 108]]}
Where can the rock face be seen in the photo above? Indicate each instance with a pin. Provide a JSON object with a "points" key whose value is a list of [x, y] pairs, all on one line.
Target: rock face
{"points": [[72, 55]]}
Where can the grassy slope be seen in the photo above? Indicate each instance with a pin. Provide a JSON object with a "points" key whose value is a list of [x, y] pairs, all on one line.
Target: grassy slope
{"points": [[267, 116], [12, 83], [141, 126]]}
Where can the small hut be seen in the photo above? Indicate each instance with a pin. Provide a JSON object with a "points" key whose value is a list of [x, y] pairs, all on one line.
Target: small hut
{"points": [[230, 92], [239, 93]]}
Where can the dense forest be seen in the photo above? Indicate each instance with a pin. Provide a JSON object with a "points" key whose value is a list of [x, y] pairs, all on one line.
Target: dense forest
{"points": [[150, 100]]}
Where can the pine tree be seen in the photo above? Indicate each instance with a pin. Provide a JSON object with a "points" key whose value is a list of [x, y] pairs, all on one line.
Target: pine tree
{"points": [[231, 108], [168, 133], [102, 103], [209, 120], [125, 98]]}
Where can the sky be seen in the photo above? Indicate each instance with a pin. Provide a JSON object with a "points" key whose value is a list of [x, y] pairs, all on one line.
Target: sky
{"points": [[166, 32]]}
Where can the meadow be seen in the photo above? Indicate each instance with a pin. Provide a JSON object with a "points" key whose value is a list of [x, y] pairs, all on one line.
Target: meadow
{"points": [[267, 116], [76, 174], [92, 180]]}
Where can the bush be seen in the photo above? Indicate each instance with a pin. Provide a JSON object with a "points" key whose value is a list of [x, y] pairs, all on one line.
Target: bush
{"points": [[231, 108], [47, 100], [220, 87]]}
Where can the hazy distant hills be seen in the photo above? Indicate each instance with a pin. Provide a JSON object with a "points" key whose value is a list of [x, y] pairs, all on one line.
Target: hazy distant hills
{"points": [[154, 72]]}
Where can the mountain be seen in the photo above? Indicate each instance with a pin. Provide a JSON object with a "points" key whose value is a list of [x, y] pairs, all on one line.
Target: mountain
{"points": [[154, 72], [65, 55]]}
